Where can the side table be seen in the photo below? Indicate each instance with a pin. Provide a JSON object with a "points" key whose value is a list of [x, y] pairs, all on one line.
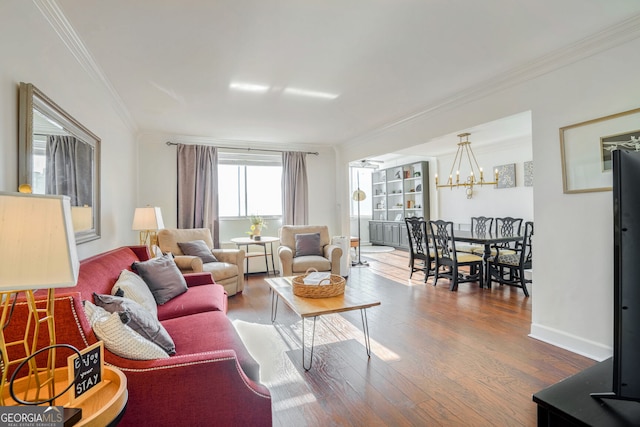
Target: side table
{"points": [[264, 240], [103, 407]]}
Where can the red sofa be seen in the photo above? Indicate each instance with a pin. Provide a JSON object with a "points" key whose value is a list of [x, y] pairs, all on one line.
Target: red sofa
{"points": [[211, 380]]}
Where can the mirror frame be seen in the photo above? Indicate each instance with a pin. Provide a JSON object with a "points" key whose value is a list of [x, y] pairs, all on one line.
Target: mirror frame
{"points": [[31, 98]]}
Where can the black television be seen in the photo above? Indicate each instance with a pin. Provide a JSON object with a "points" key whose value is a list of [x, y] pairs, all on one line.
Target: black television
{"points": [[626, 277]]}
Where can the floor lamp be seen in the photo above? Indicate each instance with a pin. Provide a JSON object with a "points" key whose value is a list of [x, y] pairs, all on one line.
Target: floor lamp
{"points": [[359, 196], [37, 251]]}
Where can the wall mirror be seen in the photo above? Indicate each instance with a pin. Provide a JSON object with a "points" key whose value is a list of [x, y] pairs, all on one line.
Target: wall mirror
{"points": [[58, 155]]}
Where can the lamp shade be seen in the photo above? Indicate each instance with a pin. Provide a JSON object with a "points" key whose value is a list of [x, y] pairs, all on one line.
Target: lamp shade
{"points": [[359, 195], [148, 218], [37, 242]]}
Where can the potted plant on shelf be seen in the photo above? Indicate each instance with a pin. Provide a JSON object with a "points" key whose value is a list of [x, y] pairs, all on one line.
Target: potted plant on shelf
{"points": [[257, 224]]}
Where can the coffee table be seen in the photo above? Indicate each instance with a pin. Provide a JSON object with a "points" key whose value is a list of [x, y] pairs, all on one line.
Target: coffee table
{"points": [[314, 307]]}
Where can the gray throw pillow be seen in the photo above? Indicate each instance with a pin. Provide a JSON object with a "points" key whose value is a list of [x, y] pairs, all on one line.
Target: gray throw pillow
{"points": [[308, 244], [198, 248], [137, 318], [162, 276]]}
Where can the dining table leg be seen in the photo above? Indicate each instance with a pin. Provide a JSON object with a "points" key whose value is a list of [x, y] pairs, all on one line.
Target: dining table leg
{"points": [[486, 280]]}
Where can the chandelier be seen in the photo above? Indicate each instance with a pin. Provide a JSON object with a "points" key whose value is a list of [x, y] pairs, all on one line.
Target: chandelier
{"points": [[464, 150]]}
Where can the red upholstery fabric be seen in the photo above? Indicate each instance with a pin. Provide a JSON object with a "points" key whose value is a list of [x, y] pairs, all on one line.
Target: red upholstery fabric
{"points": [[198, 299], [205, 383]]}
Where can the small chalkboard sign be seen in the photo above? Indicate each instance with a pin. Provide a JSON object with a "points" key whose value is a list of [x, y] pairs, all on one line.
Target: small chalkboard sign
{"points": [[88, 368]]}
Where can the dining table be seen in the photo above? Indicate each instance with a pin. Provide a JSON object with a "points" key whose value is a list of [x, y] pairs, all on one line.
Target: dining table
{"points": [[486, 239]]}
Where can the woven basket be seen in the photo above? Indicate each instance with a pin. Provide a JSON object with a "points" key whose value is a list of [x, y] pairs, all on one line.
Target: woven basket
{"points": [[321, 290]]}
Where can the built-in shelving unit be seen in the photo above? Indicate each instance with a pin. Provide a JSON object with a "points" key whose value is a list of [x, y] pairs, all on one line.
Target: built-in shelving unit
{"points": [[398, 193]]}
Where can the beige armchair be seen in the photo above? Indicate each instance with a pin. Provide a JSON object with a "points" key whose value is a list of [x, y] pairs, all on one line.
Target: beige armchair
{"points": [[228, 272], [291, 265]]}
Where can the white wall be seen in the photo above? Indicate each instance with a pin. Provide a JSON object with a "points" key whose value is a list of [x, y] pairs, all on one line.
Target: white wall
{"points": [[573, 268], [158, 171], [32, 52], [489, 201]]}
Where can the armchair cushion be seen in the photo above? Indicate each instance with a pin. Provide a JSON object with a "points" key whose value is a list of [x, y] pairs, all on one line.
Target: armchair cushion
{"points": [[162, 276], [308, 244], [119, 338], [292, 261], [137, 318], [198, 248]]}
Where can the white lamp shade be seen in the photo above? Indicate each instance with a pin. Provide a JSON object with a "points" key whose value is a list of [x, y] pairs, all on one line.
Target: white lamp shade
{"points": [[148, 218], [37, 242]]}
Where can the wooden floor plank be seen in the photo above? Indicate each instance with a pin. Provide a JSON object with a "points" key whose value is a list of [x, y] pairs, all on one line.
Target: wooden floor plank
{"points": [[438, 357]]}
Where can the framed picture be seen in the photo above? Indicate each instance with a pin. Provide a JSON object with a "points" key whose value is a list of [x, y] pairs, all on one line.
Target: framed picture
{"points": [[506, 175], [586, 150]]}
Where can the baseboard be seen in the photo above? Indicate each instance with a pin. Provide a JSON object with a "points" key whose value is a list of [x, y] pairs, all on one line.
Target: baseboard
{"points": [[575, 344]]}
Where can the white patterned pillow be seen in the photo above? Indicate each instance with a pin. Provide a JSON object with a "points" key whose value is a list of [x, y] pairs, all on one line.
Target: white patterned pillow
{"points": [[119, 338], [133, 287]]}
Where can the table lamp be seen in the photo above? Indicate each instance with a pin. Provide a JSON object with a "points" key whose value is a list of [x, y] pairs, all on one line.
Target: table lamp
{"points": [[37, 251], [148, 221]]}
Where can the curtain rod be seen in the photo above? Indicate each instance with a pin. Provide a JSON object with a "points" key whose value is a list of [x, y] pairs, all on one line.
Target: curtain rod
{"points": [[315, 153]]}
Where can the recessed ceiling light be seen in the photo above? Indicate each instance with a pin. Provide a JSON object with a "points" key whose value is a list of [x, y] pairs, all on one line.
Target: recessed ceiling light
{"points": [[310, 93], [248, 87]]}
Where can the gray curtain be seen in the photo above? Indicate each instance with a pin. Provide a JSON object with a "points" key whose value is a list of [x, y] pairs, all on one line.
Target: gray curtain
{"points": [[69, 163], [295, 199], [198, 188]]}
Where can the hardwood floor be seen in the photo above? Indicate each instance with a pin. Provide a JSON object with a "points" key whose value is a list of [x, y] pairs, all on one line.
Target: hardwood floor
{"points": [[438, 357]]}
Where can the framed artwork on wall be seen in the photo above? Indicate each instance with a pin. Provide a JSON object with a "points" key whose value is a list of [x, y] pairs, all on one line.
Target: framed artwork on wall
{"points": [[528, 174], [506, 175], [586, 150]]}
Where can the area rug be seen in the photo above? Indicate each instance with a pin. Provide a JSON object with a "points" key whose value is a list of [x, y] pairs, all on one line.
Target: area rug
{"points": [[266, 346], [371, 249]]}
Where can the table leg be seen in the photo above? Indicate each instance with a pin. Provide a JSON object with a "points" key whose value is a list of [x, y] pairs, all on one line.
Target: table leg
{"points": [[266, 260], [274, 305], [485, 262], [313, 337], [273, 264], [365, 328]]}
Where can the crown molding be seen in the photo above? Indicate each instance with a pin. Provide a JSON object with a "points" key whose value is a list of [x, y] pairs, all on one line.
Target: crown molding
{"points": [[63, 28], [608, 38]]}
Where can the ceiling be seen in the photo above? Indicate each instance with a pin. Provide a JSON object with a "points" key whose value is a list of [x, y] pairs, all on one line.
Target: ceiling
{"points": [[171, 64]]}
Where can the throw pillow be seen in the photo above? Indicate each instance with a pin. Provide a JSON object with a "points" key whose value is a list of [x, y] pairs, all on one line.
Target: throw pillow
{"points": [[133, 287], [162, 276], [308, 244], [119, 338], [140, 320], [198, 248]]}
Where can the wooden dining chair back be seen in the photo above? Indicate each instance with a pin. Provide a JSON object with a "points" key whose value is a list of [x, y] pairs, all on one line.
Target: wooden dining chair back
{"points": [[479, 225], [449, 261], [421, 258], [508, 227], [509, 268]]}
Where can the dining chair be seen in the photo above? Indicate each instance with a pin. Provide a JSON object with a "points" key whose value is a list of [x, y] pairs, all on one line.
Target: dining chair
{"points": [[421, 257], [448, 260], [516, 262], [479, 225], [505, 226]]}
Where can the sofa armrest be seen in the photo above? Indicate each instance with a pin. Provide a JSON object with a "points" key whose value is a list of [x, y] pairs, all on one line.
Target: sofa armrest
{"points": [[200, 382], [286, 260], [230, 256], [189, 263], [197, 279]]}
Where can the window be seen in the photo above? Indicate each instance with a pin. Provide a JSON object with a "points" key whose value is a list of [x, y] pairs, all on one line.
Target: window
{"points": [[364, 175], [249, 184]]}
